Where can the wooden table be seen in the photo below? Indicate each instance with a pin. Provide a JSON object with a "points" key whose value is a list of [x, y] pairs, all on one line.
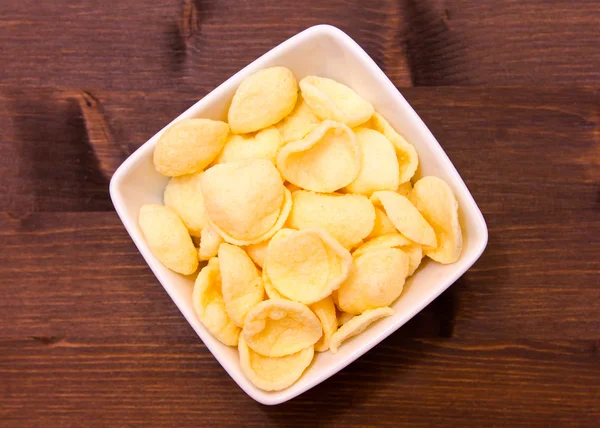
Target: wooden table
{"points": [[511, 90]]}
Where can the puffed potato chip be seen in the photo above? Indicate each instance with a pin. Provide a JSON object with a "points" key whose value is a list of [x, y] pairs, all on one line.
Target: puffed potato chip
{"points": [[394, 240], [168, 238], [263, 145], [242, 285], [405, 217], [378, 165], [184, 196], [209, 306], [278, 327], [382, 225], [343, 318], [210, 241], [436, 202], [408, 159], [376, 279], [332, 100], [404, 189], [298, 123], [390, 240], [325, 311], [188, 146], [326, 160], [307, 265], [348, 218], [270, 291], [357, 325], [273, 373], [258, 252], [262, 100], [245, 201]]}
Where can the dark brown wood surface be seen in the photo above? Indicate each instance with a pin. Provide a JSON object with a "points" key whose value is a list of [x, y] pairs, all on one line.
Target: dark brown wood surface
{"points": [[511, 89]]}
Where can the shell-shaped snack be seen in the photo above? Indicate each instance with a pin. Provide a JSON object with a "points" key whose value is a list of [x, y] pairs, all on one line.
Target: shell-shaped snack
{"points": [[408, 160], [357, 325], [325, 160], [343, 318], [189, 146], [210, 241], [378, 164], [382, 225], [258, 252], [376, 279], [306, 265], [184, 196], [241, 282], [273, 373], [262, 100], [405, 217], [325, 311], [270, 291], [245, 201], [394, 240], [168, 238], [278, 327], [332, 100], [209, 306], [298, 123], [404, 189], [435, 200], [264, 145], [348, 218]]}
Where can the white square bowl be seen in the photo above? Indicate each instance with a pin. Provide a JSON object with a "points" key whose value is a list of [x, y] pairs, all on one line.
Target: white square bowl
{"points": [[326, 51]]}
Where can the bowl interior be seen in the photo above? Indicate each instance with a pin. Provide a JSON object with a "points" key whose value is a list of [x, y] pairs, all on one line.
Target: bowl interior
{"points": [[323, 51]]}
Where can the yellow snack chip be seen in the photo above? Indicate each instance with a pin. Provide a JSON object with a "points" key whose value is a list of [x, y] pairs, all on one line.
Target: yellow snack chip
{"points": [[210, 241], [394, 240], [378, 165], [273, 373], [390, 240], [325, 311], [262, 100], [435, 200], [184, 196], [168, 238], [357, 325], [271, 292], [263, 145], [382, 225], [188, 146], [405, 217], [343, 318], [326, 160], [209, 306], [408, 159], [307, 265], [245, 201], [298, 123], [376, 279], [278, 327], [258, 252], [332, 100], [404, 189], [241, 283], [348, 218]]}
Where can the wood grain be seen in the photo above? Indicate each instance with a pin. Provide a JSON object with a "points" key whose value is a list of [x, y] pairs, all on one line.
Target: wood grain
{"points": [[133, 45], [90, 338]]}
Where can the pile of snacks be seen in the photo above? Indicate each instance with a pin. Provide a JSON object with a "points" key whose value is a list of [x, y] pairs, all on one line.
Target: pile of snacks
{"points": [[304, 209]]}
